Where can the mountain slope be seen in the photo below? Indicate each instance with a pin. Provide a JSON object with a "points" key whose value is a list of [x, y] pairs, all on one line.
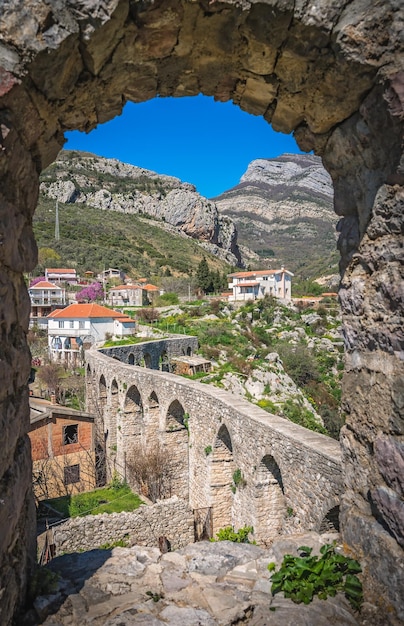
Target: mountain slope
{"points": [[115, 215], [107, 184], [283, 211]]}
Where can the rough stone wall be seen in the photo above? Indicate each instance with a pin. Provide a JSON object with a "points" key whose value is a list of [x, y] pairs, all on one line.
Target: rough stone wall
{"points": [[332, 72], [169, 518], [153, 350], [298, 469]]}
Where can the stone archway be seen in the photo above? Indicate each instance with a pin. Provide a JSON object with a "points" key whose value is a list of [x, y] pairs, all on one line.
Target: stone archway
{"points": [[152, 417], [221, 480], [330, 72], [130, 427], [176, 442], [270, 507]]}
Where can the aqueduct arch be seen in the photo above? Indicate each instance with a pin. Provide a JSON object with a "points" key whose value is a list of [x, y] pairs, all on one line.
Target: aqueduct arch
{"points": [[330, 72]]}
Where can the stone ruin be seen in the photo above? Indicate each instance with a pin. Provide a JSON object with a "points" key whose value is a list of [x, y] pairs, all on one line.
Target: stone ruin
{"points": [[332, 73]]}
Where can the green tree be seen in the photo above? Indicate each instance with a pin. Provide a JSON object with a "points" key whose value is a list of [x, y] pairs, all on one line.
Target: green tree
{"points": [[47, 257], [204, 276]]}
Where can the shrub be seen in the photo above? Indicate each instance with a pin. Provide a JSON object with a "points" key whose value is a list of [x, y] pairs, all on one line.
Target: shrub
{"points": [[303, 577], [228, 534], [167, 298]]}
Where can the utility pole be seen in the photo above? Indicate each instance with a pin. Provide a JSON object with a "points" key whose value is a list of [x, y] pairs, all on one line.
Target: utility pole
{"points": [[57, 233]]}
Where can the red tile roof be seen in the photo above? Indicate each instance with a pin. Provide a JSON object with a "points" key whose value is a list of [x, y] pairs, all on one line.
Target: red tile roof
{"points": [[58, 270], [149, 287], [44, 284], [87, 311], [258, 273], [123, 287]]}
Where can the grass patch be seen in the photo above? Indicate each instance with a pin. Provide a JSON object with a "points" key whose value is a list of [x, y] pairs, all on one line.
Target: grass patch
{"points": [[104, 500]]}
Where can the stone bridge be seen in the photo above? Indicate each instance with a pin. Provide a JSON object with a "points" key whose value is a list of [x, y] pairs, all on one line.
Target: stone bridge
{"points": [[249, 467], [154, 354]]}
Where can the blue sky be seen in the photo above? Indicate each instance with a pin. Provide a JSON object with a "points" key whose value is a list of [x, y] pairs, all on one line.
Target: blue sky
{"points": [[198, 140]]}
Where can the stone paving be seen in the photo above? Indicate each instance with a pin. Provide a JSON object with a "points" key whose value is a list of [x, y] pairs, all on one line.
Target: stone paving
{"points": [[203, 584]]}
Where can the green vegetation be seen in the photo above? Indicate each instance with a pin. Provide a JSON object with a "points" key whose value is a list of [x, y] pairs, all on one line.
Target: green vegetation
{"points": [[228, 534], [93, 239], [238, 479], [303, 577], [128, 341], [239, 341], [105, 500]]}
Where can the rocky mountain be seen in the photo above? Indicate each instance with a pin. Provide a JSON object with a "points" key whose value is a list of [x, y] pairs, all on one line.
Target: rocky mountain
{"points": [[283, 209], [108, 184]]}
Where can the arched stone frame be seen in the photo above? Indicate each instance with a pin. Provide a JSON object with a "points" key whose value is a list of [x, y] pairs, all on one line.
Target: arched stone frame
{"points": [[164, 362], [321, 70], [176, 443], [131, 359], [111, 412], [91, 387], [147, 360], [329, 518], [269, 500], [130, 426], [152, 421], [221, 480]]}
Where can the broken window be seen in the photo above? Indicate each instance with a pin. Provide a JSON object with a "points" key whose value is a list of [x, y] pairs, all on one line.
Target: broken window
{"points": [[70, 434], [71, 474]]}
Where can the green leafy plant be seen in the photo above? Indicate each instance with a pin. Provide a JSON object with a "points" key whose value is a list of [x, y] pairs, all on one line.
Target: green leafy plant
{"points": [[208, 450], [303, 577], [154, 596], [42, 582], [119, 543], [238, 479], [228, 534]]}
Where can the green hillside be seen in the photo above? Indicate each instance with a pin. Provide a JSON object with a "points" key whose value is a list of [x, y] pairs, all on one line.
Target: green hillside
{"points": [[94, 239]]}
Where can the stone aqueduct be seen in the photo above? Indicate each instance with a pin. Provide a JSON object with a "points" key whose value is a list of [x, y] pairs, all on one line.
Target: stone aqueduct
{"points": [[210, 434], [332, 73]]}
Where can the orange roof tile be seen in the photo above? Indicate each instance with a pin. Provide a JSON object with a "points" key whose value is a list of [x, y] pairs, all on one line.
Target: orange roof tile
{"points": [[44, 284], [88, 311], [122, 287], [59, 270], [149, 287]]}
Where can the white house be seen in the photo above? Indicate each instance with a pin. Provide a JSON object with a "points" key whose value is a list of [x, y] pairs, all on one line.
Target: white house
{"points": [[45, 297], [77, 326], [259, 283], [61, 275]]}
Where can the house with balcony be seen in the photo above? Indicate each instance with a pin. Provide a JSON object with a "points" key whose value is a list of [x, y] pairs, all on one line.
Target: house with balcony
{"points": [[78, 326], [45, 297], [257, 284], [61, 275]]}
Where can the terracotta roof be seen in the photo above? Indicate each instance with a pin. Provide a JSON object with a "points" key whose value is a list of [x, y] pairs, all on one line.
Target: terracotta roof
{"points": [[258, 273], [58, 270], [44, 284], [122, 287], [247, 284], [87, 311], [149, 287]]}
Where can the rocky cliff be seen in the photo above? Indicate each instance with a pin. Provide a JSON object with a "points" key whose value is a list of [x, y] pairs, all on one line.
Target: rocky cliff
{"points": [[108, 184], [283, 205]]}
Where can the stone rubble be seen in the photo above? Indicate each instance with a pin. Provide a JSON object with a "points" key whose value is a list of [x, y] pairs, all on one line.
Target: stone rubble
{"points": [[203, 584]]}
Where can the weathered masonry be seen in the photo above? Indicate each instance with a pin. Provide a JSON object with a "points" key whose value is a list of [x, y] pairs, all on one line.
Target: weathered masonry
{"points": [[290, 477], [154, 354], [332, 73]]}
